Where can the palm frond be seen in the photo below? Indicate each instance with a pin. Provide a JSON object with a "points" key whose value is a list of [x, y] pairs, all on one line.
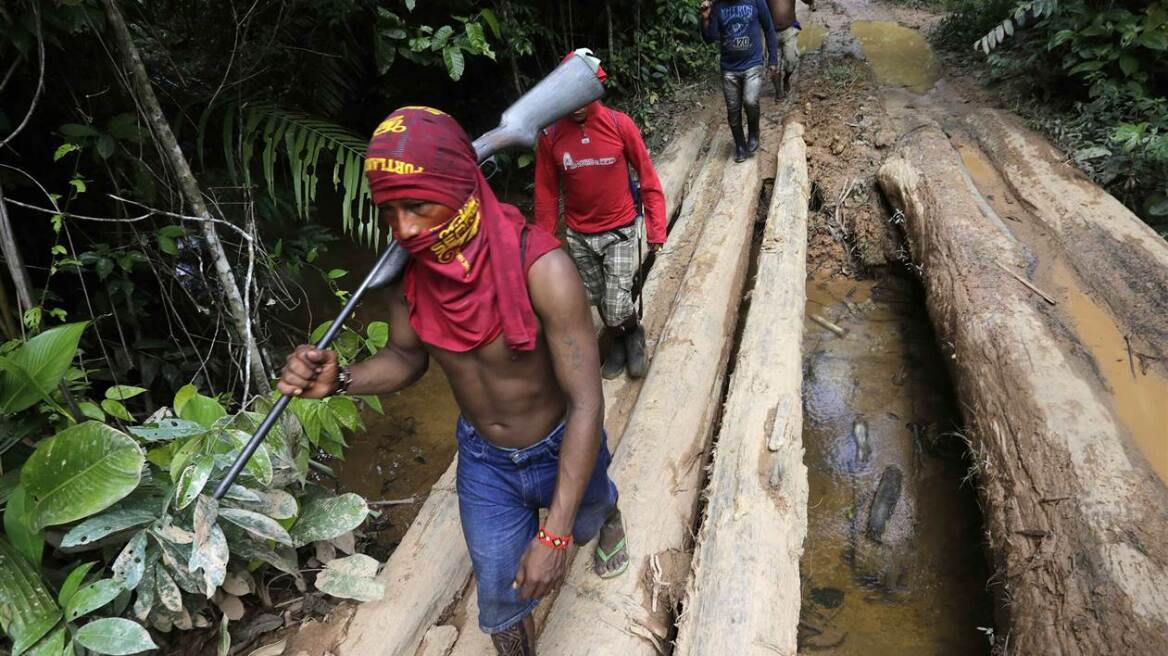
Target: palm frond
{"points": [[302, 141]]}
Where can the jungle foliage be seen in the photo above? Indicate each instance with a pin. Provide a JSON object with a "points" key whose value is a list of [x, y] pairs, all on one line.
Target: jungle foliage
{"points": [[1095, 75], [124, 392]]}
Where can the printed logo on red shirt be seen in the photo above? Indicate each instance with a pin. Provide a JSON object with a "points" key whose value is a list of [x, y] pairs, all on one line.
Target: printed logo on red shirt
{"points": [[571, 165]]}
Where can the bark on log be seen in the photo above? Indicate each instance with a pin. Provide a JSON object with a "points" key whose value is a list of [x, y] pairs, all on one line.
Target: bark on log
{"points": [[152, 112], [1126, 261], [1075, 519], [744, 597], [661, 287], [658, 466], [431, 567]]}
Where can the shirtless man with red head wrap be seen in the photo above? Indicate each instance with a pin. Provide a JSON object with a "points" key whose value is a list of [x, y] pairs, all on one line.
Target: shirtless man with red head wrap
{"points": [[504, 313]]}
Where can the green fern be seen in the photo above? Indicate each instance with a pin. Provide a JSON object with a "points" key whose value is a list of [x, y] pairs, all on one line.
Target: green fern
{"points": [[301, 141]]}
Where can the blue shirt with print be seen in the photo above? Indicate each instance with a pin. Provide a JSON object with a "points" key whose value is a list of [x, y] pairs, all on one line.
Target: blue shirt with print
{"points": [[739, 26]]}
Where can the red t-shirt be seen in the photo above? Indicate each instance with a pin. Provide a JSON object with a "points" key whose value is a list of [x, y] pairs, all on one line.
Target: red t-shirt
{"points": [[591, 159]]}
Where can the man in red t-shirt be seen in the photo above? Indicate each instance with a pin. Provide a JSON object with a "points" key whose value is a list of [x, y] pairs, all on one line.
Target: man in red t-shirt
{"points": [[588, 156]]}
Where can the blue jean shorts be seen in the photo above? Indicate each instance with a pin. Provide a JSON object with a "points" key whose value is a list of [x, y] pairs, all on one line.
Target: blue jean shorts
{"points": [[500, 492]]}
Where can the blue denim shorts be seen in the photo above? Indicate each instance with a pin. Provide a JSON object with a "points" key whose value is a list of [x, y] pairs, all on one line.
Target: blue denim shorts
{"points": [[500, 492]]}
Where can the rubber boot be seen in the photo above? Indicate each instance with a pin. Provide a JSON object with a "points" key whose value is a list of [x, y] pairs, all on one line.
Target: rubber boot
{"points": [[740, 152], [638, 361], [614, 361], [752, 128]]}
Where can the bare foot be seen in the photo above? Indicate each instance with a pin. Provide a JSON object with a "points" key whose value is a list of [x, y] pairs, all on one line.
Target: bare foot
{"points": [[612, 554]]}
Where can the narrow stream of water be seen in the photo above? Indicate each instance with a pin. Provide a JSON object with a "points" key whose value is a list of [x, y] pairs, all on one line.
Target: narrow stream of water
{"points": [[893, 560]]}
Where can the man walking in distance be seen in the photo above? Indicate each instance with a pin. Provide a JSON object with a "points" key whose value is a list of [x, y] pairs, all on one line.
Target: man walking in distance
{"points": [[787, 27], [588, 155], [739, 26], [502, 310]]}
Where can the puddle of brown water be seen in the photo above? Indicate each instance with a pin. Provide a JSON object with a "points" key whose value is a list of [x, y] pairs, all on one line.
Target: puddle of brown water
{"points": [[1137, 397], [811, 37], [401, 454], [887, 372], [898, 55]]}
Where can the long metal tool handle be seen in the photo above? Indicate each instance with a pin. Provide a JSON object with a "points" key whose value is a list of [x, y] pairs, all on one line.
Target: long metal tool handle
{"points": [[572, 85], [389, 266]]}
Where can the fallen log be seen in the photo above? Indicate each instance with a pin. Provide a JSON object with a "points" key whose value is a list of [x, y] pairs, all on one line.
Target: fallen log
{"points": [[620, 394], [1121, 258], [658, 466], [743, 597], [428, 571], [1074, 516]]}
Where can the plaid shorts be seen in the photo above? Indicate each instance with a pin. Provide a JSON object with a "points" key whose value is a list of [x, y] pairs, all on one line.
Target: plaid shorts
{"points": [[607, 262]]}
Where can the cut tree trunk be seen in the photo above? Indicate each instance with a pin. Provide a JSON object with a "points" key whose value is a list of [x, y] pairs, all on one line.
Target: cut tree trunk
{"points": [[1074, 516], [658, 467], [431, 567], [1126, 263], [661, 287], [152, 113], [743, 597]]}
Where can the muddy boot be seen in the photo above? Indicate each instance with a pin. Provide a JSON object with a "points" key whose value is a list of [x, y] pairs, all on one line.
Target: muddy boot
{"points": [[635, 349], [614, 361], [740, 152], [752, 128]]}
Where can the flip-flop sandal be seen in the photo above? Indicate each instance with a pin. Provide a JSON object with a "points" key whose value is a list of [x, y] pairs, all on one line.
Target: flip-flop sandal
{"points": [[605, 557]]}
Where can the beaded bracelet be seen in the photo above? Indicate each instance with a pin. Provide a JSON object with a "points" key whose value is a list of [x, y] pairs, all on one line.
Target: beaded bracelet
{"points": [[556, 542]]}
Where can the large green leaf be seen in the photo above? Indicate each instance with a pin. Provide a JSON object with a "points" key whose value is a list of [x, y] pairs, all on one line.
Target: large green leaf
{"points": [[353, 577], [327, 517], [80, 471], [131, 563], [261, 526], [115, 636], [27, 610], [51, 645], [96, 528], [202, 410], [209, 552], [20, 525], [91, 597], [194, 479], [276, 504], [73, 583], [40, 363], [167, 429]]}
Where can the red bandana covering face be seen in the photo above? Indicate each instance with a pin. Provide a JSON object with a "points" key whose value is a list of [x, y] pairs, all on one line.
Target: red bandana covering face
{"points": [[467, 280]]}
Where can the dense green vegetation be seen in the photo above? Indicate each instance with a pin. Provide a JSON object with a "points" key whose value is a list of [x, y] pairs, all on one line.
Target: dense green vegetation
{"points": [[139, 331], [1092, 74]]}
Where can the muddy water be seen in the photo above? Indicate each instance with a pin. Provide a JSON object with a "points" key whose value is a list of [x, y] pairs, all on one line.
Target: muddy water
{"points": [[920, 587], [402, 453], [1135, 392], [811, 37], [898, 55]]}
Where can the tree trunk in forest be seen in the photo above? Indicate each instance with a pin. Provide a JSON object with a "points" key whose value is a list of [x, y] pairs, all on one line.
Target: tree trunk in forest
{"points": [[236, 308], [512, 56], [608, 15], [1074, 515], [431, 566], [23, 286], [743, 598]]}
